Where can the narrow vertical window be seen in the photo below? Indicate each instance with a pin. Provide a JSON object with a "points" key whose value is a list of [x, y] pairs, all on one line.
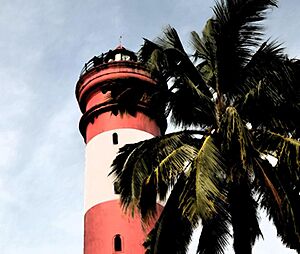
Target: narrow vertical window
{"points": [[118, 243], [118, 57], [115, 138]]}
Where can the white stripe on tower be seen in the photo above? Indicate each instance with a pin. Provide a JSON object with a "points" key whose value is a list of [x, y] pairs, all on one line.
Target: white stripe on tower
{"points": [[100, 152]]}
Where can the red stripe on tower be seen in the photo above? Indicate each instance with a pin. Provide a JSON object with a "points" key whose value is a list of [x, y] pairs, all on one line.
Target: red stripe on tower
{"points": [[114, 93]]}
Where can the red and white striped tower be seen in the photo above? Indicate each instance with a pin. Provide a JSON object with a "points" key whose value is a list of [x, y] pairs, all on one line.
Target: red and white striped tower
{"points": [[106, 228]]}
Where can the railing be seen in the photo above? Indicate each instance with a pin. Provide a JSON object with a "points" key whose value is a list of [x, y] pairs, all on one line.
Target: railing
{"points": [[120, 54], [90, 65]]}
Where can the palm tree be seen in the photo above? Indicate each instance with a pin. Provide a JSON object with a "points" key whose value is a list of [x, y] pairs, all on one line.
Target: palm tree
{"points": [[237, 99]]}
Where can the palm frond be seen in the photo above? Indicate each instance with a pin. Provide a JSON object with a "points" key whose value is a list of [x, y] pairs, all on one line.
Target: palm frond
{"points": [[205, 52], [172, 232], [264, 180], [285, 149], [130, 95], [239, 19], [189, 106], [231, 37], [280, 198], [147, 49], [214, 234], [272, 83], [236, 140], [285, 178], [205, 47], [265, 60], [263, 106], [203, 195], [170, 39], [268, 62], [163, 177], [136, 163], [170, 58], [195, 195], [238, 149], [129, 193]]}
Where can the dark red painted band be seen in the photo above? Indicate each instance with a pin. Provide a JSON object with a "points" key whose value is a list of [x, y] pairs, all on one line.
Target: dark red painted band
{"points": [[115, 71], [106, 220], [107, 121]]}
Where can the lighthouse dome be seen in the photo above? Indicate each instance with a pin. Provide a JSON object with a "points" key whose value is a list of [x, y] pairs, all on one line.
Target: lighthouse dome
{"points": [[119, 54]]}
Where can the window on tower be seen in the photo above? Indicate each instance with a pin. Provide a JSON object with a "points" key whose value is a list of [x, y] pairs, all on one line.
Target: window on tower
{"points": [[115, 138], [117, 243], [125, 57], [118, 57]]}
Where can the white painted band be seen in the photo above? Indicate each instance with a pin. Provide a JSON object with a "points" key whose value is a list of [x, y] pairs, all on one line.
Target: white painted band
{"points": [[100, 153]]}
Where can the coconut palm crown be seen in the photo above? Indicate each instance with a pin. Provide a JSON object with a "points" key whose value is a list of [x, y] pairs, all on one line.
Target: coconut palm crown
{"points": [[237, 100]]}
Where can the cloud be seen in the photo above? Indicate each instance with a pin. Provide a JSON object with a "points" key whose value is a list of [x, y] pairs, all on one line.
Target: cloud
{"points": [[8, 144]]}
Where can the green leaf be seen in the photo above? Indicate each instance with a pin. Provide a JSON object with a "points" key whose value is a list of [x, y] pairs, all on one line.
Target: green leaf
{"points": [[202, 193], [236, 140]]}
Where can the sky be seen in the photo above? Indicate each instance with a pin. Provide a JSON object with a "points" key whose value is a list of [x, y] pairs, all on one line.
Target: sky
{"points": [[43, 46]]}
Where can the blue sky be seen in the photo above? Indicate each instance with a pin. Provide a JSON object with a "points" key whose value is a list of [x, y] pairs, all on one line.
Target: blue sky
{"points": [[43, 47]]}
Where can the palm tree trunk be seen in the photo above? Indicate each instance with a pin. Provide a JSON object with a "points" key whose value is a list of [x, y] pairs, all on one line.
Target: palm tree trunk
{"points": [[243, 216]]}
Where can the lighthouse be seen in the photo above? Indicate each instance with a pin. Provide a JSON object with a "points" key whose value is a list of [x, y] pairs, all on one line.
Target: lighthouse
{"points": [[115, 94]]}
